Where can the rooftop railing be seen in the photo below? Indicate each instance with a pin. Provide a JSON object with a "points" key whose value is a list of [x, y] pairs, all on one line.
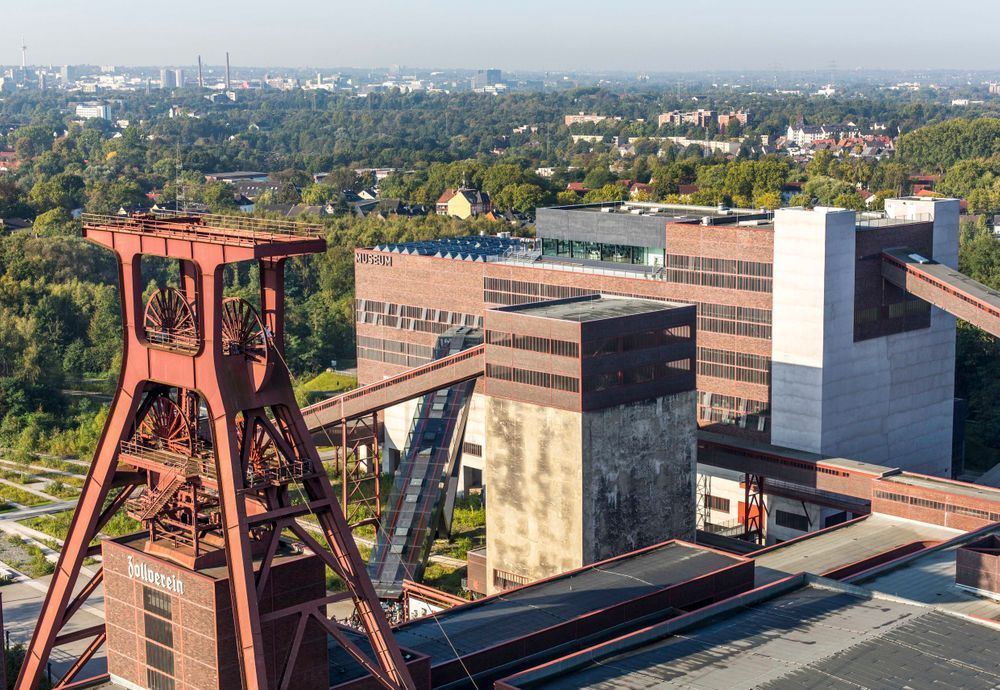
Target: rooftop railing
{"points": [[210, 226]]}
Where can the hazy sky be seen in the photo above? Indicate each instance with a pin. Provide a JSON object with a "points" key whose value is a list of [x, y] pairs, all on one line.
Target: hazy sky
{"points": [[638, 35]]}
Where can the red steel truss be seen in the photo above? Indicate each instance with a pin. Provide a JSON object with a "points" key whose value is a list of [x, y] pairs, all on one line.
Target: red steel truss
{"points": [[205, 426], [755, 514]]}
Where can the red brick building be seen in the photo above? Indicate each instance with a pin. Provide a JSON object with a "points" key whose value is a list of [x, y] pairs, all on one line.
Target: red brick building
{"points": [[720, 261]]}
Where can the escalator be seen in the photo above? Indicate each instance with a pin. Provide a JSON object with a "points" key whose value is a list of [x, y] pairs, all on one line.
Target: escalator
{"points": [[425, 481]]}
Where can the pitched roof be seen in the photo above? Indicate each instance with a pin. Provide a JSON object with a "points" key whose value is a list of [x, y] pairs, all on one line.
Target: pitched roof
{"points": [[446, 197]]}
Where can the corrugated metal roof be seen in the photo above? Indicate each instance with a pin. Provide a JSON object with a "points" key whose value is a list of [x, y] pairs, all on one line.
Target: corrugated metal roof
{"points": [[930, 579], [844, 545], [483, 624], [812, 637]]}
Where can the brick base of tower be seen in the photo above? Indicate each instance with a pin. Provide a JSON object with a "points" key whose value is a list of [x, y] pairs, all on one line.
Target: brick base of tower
{"points": [[171, 627]]}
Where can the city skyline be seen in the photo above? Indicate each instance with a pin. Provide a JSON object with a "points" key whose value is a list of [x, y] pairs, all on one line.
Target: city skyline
{"points": [[560, 36]]}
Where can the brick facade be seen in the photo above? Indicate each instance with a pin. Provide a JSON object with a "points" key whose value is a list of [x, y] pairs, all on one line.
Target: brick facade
{"points": [[171, 627]]}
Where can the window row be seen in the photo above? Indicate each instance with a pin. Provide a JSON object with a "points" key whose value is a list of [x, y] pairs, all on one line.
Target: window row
{"points": [[895, 310], [541, 379], [719, 280], [388, 314], [730, 320], [938, 505], [636, 341], [716, 503], [794, 521], [736, 267], [734, 366], [637, 375], [599, 251], [743, 413], [393, 351], [561, 348]]}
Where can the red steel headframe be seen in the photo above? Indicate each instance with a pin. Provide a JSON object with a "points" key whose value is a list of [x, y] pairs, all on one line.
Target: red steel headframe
{"points": [[248, 397]]}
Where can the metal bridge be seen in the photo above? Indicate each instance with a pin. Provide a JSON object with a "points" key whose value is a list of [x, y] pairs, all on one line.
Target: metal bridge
{"points": [[943, 287]]}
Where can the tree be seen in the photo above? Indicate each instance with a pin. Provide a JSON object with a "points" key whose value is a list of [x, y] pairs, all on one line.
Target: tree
{"points": [[54, 223], [520, 197], [567, 198], [65, 190], [768, 200], [339, 179], [218, 196], [317, 194], [851, 200], [598, 176], [609, 192], [501, 175]]}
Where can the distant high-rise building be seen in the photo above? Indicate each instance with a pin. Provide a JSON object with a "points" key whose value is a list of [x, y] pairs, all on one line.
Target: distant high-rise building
{"points": [[179, 78], [487, 77], [66, 74], [166, 79]]}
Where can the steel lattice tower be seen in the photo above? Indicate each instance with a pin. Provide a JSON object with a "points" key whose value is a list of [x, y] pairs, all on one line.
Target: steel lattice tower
{"points": [[205, 431]]}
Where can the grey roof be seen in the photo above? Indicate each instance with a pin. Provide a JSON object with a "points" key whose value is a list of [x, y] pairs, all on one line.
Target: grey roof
{"points": [[845, 544], [930, 578], [591, 308], [986, 493], [811, 637], [488, 622]]}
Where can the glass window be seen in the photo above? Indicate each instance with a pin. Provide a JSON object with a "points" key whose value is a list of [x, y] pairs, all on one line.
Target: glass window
{"points": [[159, 630], [160, 658], [550, 247], [156, 602]]}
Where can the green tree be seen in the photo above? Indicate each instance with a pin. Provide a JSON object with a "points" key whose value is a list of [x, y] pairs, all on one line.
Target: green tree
{"points": [[65, 190]]}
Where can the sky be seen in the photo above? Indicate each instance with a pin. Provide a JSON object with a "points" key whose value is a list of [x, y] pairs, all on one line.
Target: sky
{"points": [[535, 35]]}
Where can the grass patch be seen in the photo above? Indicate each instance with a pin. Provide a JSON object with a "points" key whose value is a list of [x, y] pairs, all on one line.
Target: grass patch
{"points": [[444, 578], [323, 386], [56, 525], [12, 494], [62, 465], [468, 529], [18, 477], [27, 558], [60, 490]]}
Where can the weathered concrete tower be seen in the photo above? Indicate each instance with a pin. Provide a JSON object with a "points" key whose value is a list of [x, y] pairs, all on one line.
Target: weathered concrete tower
{"points": [[590, 430]]}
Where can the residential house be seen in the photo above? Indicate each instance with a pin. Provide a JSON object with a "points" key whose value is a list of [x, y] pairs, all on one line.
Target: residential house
{"points": [[463, 202]]}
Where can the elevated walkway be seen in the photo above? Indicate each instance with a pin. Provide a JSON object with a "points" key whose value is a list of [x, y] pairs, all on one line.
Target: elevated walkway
{"points": [[424, 484], [943, 287], [441, 373]]}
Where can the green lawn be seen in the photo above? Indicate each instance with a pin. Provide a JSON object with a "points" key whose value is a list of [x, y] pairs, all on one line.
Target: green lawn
{"points": [[323, 386]]}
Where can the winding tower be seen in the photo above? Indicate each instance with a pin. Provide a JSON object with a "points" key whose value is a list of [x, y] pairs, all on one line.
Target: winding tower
{"points": [[206, 447]]}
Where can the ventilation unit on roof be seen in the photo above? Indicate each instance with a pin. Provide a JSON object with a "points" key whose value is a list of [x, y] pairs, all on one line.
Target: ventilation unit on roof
{"points": [[977, 566]]}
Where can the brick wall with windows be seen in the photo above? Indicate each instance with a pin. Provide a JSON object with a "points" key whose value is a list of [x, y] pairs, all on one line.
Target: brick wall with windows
{"points": [[182, 637]]}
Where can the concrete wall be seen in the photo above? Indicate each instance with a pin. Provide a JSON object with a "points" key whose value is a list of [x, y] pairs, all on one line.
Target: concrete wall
{"points": [[638, 475], [534, 484], [886, 400]]}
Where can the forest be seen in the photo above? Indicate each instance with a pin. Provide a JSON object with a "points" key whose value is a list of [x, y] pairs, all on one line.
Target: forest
{"points": [[60, 341]]}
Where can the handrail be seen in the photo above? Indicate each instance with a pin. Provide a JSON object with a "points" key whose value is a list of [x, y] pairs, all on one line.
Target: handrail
{"points": [[410, 374], [207, 225]]}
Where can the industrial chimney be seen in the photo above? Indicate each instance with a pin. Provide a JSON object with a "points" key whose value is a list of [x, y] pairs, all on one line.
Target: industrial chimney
{"points": [[228, 83], [201, 79]]}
